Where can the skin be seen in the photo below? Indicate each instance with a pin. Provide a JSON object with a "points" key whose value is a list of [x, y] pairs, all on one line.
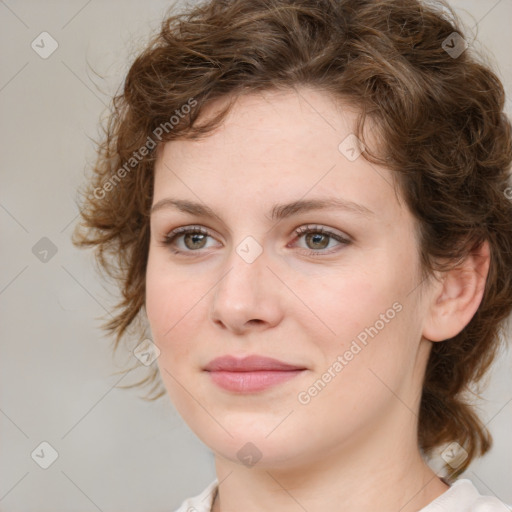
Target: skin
{"points": [[353, 446]]}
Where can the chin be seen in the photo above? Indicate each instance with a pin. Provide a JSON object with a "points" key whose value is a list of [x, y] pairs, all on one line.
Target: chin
{"points": [[252, 442]]}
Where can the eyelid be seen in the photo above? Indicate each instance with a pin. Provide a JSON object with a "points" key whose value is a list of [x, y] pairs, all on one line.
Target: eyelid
{"points": [[341, 238], [170, 238], [191, 228], [318, 228]]}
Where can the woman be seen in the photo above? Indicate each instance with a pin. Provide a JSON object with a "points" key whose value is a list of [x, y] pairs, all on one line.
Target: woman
{"points": [[308, 202]]}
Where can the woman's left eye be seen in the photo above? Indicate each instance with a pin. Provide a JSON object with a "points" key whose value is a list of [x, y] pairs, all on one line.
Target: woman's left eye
{"points": [[317, 239]]}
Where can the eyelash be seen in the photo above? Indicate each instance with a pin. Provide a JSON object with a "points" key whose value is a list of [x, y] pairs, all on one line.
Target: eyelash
{"points": [[171, 237], [311, 228]]}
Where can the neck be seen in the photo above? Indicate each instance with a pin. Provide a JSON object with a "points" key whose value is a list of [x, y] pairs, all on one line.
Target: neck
{"points": [[390, 479]]}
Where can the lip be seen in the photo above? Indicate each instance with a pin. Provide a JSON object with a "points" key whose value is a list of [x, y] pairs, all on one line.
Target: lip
{"points": [[251, 373]]}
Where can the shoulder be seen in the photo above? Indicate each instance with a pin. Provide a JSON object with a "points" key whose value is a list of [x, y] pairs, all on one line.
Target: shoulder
{"points": [[463, 496], [200, 503]]}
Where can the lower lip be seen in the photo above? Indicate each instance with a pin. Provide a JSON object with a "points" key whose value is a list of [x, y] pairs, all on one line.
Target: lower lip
{"points": [[251, 382]]}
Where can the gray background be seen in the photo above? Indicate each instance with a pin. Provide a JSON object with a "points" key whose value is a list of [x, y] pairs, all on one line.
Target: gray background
{"points": [[115, 451]]}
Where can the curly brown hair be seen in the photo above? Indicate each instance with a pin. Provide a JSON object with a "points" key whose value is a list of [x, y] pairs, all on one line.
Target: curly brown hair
{"points": [[405, 65]]}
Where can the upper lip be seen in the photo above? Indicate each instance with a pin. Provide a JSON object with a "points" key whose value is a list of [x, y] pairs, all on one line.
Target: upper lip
{"points": [[248, 364]]}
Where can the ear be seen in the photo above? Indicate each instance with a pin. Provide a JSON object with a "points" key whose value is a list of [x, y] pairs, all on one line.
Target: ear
{"points": [[455, 297]]}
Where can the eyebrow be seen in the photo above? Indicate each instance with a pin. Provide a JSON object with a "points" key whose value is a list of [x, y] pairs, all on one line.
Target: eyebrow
{"points": [[278, 211]]}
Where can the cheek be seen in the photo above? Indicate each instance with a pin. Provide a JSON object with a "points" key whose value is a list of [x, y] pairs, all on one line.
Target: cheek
{"points": [[172, 306], [369, 321], [345, 304], [359, 376], [171, 303]]}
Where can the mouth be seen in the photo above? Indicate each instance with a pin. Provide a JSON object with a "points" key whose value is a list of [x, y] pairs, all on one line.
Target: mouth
{"points": [[250, 374]]}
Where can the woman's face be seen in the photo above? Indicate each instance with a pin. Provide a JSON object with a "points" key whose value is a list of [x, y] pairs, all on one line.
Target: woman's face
{"points": [[291, 247]]}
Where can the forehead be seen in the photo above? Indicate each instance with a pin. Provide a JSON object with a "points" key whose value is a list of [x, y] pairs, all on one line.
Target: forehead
{"points": [[288, 124], [273, 147]]}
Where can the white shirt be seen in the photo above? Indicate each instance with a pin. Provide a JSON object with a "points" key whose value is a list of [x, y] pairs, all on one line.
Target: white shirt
{"points": [[462, 496]]}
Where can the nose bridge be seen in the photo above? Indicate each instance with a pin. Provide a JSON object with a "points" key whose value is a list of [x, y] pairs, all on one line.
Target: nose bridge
{"points": [[244, 294]]}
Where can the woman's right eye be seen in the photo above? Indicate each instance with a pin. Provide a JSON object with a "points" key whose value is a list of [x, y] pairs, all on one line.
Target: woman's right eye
{"points": [[187, 239]]}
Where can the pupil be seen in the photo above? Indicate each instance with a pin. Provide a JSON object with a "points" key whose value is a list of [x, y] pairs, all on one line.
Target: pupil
{"points": [[318, 240], [194, 240]]}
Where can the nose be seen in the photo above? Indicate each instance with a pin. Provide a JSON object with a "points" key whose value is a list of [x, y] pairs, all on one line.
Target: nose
{"points": [[247, 298]]}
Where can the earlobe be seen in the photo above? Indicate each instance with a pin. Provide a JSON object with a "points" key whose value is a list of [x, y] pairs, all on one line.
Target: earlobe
{"points": [[457, 295]]}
